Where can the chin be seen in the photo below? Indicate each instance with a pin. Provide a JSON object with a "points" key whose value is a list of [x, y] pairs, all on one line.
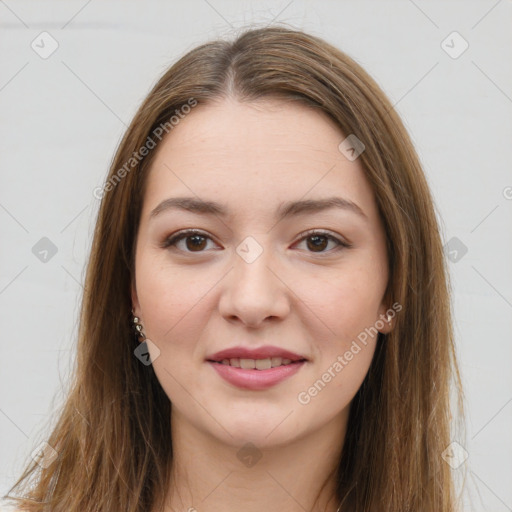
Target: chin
{"points": [[257, 427]]}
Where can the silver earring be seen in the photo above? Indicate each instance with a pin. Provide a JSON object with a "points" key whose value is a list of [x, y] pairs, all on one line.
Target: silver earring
{"points": [[138, 328]]}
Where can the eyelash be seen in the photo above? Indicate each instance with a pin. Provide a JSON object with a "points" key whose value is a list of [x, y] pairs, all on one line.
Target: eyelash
{"points": [[174, 239]]}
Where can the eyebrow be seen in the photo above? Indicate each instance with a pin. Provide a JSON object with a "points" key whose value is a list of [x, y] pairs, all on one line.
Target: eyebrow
{"points": [[288, 209]]}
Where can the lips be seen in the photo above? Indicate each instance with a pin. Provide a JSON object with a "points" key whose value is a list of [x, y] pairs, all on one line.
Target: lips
{"points": [[265, 352], [256, 369]]}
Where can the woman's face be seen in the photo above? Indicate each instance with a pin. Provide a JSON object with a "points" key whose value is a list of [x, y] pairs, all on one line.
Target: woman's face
{"points": [[254, 277]]}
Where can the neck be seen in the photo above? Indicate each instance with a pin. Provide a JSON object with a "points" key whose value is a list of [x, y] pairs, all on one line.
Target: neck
{"points": [[210, 475]]}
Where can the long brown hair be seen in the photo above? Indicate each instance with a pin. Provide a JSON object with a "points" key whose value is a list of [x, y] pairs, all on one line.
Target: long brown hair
{"points": [[113, 434]]}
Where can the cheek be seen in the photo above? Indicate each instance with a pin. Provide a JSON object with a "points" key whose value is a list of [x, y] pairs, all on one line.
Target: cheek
{"points": [[344, 344], [171, 299], [345, 301], [173, 304], [172, 309], [343, 376]]}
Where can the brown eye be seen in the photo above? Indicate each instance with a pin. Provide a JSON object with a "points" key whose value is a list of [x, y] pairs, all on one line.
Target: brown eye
{"points": [[195, 241], [318, 241]]}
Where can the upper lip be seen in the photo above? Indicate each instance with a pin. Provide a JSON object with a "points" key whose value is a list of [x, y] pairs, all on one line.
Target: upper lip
{"points": [[267, 351]]}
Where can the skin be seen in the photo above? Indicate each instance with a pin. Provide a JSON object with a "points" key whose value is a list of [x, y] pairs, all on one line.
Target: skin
{"points": [[252, 157]]}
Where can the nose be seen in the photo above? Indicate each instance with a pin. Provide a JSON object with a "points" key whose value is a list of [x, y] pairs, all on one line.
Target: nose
{"points": [[254, 291]]}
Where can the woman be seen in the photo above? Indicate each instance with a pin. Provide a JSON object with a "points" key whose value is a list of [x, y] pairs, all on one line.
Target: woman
{"points": [[266, 320]]}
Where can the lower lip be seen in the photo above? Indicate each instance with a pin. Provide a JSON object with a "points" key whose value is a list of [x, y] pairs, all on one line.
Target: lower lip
{"points": [[256, 379]]}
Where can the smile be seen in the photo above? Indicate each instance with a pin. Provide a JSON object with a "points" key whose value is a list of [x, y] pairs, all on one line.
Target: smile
{"points": [[257, 364], [256, 374]]}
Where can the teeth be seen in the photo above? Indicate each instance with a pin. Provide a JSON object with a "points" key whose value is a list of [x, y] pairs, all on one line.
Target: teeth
{"points": [[247, 363], [259, 364], [263, 364]]}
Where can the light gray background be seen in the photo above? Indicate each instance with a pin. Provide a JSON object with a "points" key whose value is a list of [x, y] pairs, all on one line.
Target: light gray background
{"points": [[62, 117]]}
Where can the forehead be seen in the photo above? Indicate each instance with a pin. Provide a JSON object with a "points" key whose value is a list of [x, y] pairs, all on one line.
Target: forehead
{"points": [[234, 129], [255, 156]]}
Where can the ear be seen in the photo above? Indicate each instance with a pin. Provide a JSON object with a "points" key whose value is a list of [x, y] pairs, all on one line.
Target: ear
{"points": [[385, 321], [135, 300]]}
